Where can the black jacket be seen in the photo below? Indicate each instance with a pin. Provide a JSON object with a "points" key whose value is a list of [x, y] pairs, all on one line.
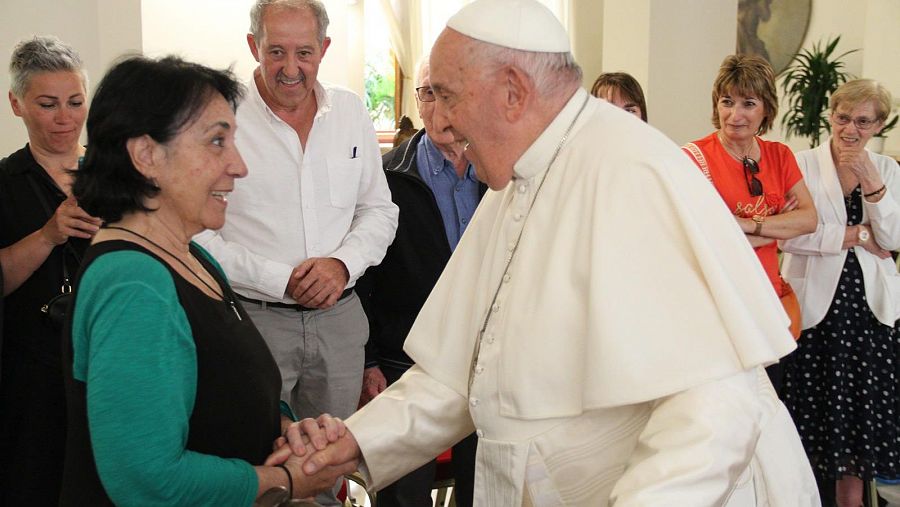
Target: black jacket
{"points": [[393, 292]]}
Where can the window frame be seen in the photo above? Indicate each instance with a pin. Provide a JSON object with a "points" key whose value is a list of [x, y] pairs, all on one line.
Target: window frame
{"points": [[386, 137]]}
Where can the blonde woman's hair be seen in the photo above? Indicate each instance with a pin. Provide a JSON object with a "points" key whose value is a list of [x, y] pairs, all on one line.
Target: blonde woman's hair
{"points": [[859, 91], [747, 75]]}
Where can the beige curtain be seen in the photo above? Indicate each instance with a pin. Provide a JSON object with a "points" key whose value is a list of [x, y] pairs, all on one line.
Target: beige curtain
{"points": [[405, 29]]}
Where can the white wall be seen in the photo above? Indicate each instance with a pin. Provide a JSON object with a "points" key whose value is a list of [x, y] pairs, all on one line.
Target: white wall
{"points": [[99, 30], [673, 47], [658, 42], [586, 31], [881, 58], [683, 65]]}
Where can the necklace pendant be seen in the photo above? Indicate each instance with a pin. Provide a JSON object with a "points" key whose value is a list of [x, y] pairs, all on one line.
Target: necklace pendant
{"points": [[235, 310]]}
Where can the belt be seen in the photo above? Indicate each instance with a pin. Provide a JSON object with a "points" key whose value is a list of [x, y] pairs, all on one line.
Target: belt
{"points": [[299, 308]]}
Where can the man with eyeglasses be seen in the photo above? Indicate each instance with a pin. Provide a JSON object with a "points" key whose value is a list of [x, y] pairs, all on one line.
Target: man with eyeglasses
{"points": [[436, 190]]}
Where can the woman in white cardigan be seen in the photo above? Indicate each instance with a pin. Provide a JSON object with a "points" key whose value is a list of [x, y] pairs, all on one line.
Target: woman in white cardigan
{"points": [[842, 385]]}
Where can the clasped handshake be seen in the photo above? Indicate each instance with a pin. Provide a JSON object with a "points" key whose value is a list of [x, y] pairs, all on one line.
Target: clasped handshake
{"points": [[316, 452]]}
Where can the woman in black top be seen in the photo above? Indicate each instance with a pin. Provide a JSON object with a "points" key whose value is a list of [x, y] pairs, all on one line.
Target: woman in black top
{"points": [[173, 396], [41, 228]]}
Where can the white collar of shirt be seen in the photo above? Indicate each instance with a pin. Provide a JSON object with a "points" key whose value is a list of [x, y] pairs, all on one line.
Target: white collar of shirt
{"points": [[536, 158], [323, 93]]}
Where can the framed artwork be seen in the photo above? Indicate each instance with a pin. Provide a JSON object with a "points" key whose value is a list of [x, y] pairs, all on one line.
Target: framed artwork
{"points": [[772, 29]]}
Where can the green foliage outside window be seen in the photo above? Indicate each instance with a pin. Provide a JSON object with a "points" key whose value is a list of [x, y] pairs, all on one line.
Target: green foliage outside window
{"points": [[379, 78]]}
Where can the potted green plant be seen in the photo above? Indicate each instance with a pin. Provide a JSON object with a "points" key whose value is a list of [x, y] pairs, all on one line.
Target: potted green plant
{"points": [[876, 144], [888, 126], [808, 83]]}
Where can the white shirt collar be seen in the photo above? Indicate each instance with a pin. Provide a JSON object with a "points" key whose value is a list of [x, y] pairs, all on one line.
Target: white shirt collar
{"points": [[536, 158]]}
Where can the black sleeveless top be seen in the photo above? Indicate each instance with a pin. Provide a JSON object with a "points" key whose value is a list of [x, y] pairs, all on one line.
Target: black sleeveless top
{"points": [[236, 410]]}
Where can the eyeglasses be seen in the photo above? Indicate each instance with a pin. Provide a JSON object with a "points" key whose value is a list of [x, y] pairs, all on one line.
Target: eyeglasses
{"points": [[751, 169], [862, 123], [425, 94]]}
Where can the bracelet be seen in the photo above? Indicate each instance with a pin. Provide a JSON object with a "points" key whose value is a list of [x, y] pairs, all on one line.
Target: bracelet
{"points": [[290, 479], [880, 190]]}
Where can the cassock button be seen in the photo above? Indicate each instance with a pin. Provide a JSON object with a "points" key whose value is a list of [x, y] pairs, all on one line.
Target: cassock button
{"points": [[496, 307], [479, 369], [490, 338], [511, 246], [506, 278], [479, 433], [473, 402], [522, 189], [517, 217]]}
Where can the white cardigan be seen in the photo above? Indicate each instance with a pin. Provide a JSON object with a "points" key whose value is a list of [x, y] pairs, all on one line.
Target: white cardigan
{"points": [[813, 262]]}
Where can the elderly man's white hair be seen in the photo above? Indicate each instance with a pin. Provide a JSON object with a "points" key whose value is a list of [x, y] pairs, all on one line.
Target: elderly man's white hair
{"points": [[550, 72], [420, 68], [317, 8]]}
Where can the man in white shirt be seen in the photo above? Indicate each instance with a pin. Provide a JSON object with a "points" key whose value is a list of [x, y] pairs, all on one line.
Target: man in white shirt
{"points": [[610, 350], [313, 213]]}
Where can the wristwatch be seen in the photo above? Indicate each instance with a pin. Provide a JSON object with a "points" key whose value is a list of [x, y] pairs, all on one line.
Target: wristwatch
{"points": [[862, 235], [759, 219]]}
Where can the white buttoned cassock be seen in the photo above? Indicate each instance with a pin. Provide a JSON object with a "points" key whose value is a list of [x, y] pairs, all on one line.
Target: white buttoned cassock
{"points": [[623, 341]]}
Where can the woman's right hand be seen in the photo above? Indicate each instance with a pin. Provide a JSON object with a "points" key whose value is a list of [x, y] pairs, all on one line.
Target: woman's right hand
{"points": [[306, 486], [790, 204], [69, 220]]}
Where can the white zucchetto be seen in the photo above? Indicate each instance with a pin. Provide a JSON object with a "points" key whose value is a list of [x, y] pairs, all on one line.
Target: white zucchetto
{"points": [[517, 24]]}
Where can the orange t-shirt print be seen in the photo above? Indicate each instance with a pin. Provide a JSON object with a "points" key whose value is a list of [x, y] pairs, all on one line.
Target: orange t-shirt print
{"points": [[778, 173]]}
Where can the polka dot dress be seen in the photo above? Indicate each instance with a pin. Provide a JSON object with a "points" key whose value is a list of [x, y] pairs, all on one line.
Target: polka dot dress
{"points": [[842, 384]]}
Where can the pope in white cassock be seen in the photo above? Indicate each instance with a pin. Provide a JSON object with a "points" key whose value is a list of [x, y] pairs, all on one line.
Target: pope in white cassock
{"points": [[602, 324]]}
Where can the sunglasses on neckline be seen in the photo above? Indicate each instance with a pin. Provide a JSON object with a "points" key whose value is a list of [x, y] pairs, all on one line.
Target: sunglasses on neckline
{"points": [[751, 169]]}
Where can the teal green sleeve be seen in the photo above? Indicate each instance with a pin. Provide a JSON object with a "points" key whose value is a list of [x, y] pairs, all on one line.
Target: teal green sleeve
{"points": [[286, 410], [134, 350]]}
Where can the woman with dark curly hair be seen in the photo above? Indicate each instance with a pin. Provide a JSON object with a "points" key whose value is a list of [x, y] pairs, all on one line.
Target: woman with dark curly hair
{"points": [[173, 395]]}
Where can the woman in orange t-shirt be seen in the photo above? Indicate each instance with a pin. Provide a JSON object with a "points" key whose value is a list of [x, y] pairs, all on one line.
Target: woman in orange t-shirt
{"points": [[759, 180]]}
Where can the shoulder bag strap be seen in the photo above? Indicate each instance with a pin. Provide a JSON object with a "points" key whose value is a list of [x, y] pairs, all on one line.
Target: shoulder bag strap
{"points": [[66, 283], [698, 156]]}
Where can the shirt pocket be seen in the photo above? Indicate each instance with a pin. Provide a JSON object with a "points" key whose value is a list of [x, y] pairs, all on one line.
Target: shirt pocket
{"points": [[343, 182]]}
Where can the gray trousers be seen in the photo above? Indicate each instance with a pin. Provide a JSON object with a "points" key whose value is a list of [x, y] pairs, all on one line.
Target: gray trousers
{"points": [[320, 354]]}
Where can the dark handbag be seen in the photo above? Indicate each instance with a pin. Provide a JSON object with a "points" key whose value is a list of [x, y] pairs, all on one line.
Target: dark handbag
{"points": [[57, 309]]}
